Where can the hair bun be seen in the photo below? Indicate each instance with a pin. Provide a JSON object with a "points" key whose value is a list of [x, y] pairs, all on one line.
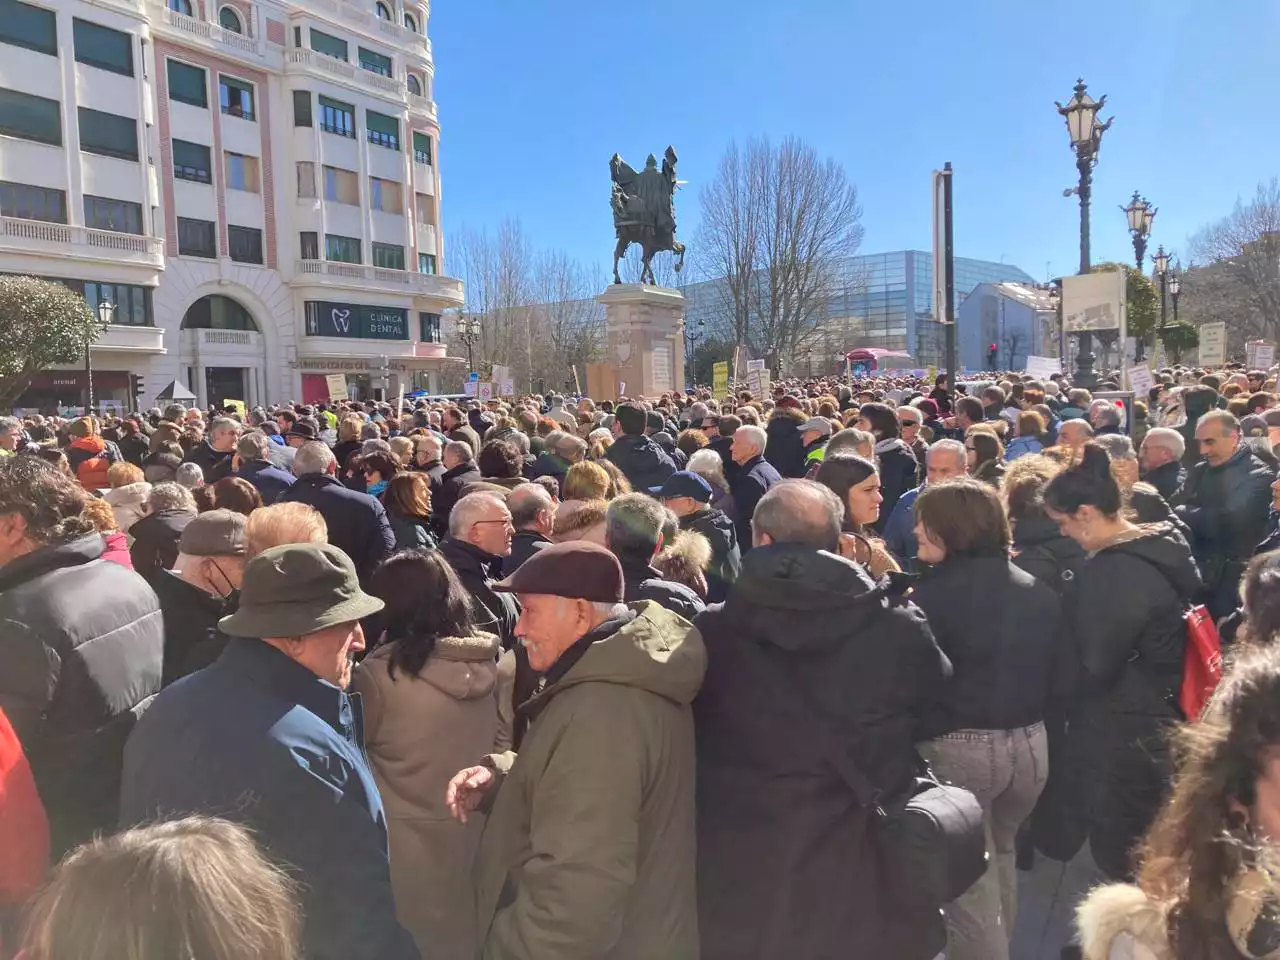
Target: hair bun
{"points": [[1094, 460]]}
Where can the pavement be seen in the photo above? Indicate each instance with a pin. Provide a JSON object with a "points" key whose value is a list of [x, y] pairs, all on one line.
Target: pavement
{"points": [[1047, 898]]}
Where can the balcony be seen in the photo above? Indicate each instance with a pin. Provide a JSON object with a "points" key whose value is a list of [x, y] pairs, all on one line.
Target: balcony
{"points": [[309, 61], [360, 276], [422, 106], [61, 239], [128, 338], [214, 36], [361, 14]]}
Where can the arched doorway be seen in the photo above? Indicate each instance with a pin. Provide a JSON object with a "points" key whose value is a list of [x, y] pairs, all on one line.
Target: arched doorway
{"points": [[226, 351]]}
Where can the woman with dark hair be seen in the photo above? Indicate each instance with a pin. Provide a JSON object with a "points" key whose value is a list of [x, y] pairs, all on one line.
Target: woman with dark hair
{"points": [[1039, 547], [899, 471], [1260, 600], [408, 502], [501, 463], [430, 708], [986, 455], [857, 483], [1207, 886], [231, 493], [378, 468], [1125, 613], [1004, 633]]}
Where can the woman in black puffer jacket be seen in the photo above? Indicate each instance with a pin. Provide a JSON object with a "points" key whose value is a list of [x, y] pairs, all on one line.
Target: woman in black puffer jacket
{"points": [[1125, 612], [899, 471]]}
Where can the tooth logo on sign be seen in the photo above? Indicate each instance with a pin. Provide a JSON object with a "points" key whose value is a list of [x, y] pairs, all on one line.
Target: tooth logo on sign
{"points": [[341, 320]]}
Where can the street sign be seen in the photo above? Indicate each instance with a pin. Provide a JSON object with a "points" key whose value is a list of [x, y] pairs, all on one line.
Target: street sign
{"points": [[1213, 344], [473, 376], [485, 390]]}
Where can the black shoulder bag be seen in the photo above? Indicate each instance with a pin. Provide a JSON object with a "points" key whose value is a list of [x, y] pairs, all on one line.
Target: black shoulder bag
{"points": [[930, 835]]}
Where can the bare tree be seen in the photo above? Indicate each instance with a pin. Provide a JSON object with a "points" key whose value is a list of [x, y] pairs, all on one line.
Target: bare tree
{"points": [[1012, 343], [776, 223], [566, 323], [495, 272], [1239, 280]]}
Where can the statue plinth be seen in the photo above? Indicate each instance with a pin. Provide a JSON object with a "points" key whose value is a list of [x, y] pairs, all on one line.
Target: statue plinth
{"points": [[644, 342]]}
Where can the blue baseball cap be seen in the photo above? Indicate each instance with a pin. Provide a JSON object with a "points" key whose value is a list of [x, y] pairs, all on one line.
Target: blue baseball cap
{"points": [[683, 483]]}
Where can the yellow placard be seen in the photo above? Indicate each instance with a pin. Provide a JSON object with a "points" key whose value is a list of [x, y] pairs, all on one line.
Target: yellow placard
{"points": [[720, 378]]}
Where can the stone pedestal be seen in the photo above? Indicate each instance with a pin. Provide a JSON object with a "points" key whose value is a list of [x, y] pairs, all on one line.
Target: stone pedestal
{"points": [[644, 339]]}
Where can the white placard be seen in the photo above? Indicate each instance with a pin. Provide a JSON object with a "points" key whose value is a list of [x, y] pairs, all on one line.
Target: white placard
{"points": [[484, 390], [622, 388], [1040, 368], [1093, 301], [754, 365], [1141, 380], [507, 388], [469, 388], [500, 373], [1213, 344], [1264, 355], [337, 386]]}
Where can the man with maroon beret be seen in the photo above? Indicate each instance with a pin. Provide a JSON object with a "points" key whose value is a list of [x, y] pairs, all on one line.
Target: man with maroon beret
{"points": [[588, 850]]}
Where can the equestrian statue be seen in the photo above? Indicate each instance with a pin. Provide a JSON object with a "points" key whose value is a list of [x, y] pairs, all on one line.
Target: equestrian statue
{"points": [[644, 211]]}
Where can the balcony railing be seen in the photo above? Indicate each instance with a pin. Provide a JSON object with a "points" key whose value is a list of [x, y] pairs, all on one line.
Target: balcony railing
{"points": [[302, 58], [213, 32], [422, 105], [409, 281], [41, 231]]}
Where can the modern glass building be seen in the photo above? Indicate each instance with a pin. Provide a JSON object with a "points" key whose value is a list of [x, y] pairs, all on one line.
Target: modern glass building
{"points": [[882, 300]]}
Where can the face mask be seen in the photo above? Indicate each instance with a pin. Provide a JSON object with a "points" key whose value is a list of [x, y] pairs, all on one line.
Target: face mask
{"points": [[374, 489]]}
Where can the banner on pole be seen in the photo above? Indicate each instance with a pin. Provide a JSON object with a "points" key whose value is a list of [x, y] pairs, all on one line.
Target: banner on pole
{"points": [[1093, 301]]}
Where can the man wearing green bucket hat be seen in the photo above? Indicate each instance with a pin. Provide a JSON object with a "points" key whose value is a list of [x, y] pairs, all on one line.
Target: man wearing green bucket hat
{"points": [[267, 736]]}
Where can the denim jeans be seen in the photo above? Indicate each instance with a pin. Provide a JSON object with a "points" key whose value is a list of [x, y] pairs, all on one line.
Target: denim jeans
{"points": [[1005, 770]]}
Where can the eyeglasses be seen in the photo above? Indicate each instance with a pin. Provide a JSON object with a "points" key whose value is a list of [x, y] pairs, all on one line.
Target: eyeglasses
{"points": [[506, 521]]}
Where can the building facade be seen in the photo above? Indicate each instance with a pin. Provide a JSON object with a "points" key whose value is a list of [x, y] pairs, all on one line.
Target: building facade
{"points": [[1017, 320], [252, 185], [878, 300]]}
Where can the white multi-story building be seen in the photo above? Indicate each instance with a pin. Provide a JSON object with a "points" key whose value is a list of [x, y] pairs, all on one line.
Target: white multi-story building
{"points": [[252, 184]]}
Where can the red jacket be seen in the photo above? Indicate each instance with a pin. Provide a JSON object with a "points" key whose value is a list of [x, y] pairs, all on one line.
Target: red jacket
{"points": [[118, 549], [89, 459], [24, 829]]}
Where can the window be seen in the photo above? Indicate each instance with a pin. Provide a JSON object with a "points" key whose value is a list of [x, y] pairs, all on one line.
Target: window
{"points": [[242, 173], [389, 256], [342, 249], [383, 130], [133, 304], [329, 46], [426, 209], [302, 108], [228, 19], [310, 245], [181, 6], [32, 203], [191, 162], [427, 263], [197, 238], [414, 86], [385, 195], [306, 179], [297, 36], [236, 97], [410, 23], [429, 327], [108, 134], [382, 11], [339, 118], [422, 152], [216, 312], [374, 62], [118, 216], [22, 25], [29, 117], [341, 186], [187, 84], [102, 47], [245, 244]]}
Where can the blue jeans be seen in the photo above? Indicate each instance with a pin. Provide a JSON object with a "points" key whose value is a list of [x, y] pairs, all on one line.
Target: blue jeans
{"points": [[1005, 770]]}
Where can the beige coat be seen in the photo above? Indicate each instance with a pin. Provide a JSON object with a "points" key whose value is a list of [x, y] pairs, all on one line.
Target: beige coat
{"points": [[419, 731]]}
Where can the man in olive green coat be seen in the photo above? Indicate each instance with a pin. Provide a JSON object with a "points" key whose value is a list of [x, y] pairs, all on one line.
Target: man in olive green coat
{"points": [[589, 847]]}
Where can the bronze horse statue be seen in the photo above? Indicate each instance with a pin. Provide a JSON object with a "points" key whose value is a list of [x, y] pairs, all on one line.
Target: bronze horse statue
{"points": [[644, 212]]}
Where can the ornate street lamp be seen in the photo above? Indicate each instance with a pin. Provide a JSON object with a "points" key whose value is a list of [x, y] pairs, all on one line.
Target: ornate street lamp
{"points": [[1175, 290], [1161, 262], [106, 311], [469, 334], [1140, 215], [1081, 116]]}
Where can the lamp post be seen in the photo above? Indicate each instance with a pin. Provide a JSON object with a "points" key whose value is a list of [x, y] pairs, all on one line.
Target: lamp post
{"points": [[1081, 116], [1161, 262], [1140, 215], [106, 311], [1175, 289], [469, 334]]}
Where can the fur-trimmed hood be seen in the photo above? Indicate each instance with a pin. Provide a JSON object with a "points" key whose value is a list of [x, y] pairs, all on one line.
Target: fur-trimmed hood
{"points": [[788, 413], [1120, 922]]}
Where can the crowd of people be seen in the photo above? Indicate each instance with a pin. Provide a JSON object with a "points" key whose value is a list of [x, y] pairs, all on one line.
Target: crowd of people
{"points": [[539, 678]]}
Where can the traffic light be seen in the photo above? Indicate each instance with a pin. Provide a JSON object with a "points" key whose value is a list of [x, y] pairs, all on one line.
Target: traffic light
{"points": [[135, 388]]}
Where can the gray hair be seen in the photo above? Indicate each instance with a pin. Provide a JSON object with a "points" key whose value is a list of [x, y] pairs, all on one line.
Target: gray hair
{"points": [[374, 446], [1107, 413], [171, 496], [754, 435], [525, 503], [954, 447], [313, 457], [1117, 445], [10, 425], [607, 611], [190, 475], [1167, 439], [460, 450], [849, 440], [1225, 419], [520, 440], [465, 512], [553, 437], [570, 447], [709, 465], [799, 512], [430, 440], [254, 446], [224, 423], [633, 525]]}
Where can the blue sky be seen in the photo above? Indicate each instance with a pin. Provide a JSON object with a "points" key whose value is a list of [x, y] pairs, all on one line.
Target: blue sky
{"points": [[535, 96]]}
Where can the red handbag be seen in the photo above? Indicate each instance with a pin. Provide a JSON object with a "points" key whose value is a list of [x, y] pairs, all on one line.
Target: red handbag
{"points": [[1202, 663]]}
